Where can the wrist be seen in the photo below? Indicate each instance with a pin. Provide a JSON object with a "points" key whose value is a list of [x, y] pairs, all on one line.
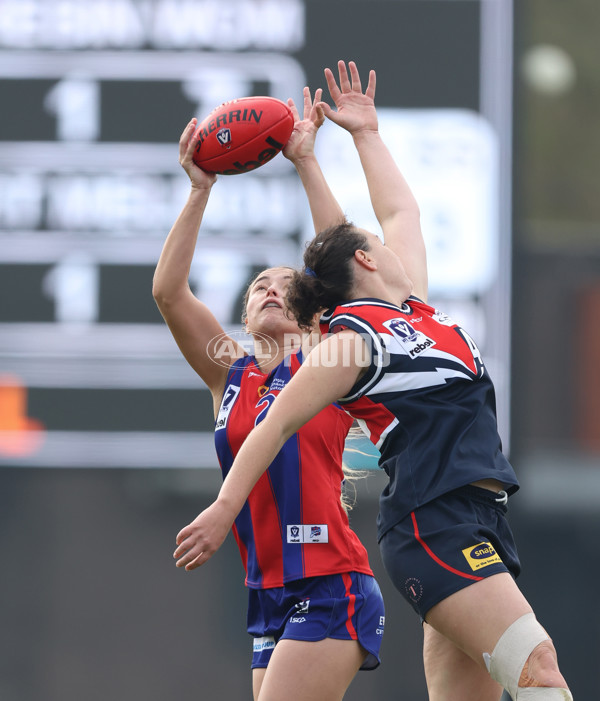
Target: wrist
{"points": [[228, 506], [304, 161], [365, 134], [201, 189]]}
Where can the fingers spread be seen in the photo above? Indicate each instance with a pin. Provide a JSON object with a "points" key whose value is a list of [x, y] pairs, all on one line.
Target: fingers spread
{"points": [[344, 80], [356, 86], [370, 91], [292, 106], [334, 91]]}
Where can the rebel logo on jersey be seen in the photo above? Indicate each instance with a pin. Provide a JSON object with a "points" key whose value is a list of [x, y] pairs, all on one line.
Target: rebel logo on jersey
{"points": [[414, 342]]}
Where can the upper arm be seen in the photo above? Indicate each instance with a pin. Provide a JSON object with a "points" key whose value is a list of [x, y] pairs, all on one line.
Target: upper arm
{"points": [[402, 233], [328, 373], [201, 339]]}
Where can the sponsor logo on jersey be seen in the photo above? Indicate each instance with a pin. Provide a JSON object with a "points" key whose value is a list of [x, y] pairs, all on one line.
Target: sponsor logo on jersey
{"points": [[379, 629], [414, 342], [262, 390], [442, 318], [265, 643], [308, 533], [229, 397], [277, 384], [481, 555]]}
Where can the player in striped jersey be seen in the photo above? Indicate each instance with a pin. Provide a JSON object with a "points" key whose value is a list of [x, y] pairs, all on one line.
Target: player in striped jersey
{"points": [[313, 603], [416, 383]]}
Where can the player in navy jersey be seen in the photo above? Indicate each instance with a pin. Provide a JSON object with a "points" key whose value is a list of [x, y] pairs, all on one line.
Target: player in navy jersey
{"points": [[416, 383], [313, 601]]}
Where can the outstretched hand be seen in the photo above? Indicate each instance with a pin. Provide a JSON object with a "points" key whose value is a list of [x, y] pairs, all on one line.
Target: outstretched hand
{"points": [[199, 178], [302, 140], [355, 109], [200, 540]]}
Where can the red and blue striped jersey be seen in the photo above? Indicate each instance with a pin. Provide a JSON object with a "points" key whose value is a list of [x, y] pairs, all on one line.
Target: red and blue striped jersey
{"points": [[293, 524], [426, 402]]}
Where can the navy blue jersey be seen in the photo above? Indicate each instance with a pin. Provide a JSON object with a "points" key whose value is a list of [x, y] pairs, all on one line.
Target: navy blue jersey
{"points": [[426, 401]]}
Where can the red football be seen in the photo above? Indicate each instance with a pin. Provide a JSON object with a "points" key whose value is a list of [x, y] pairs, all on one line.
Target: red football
{"points": [[242, 135]]}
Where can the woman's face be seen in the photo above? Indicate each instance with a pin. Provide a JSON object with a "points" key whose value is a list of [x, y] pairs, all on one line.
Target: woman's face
{"points": [[265, 308]]}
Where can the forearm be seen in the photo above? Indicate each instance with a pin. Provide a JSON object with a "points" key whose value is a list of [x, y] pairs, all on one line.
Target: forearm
{"points": [[324, 207], [173, 268], [254, 457], [389, 192]]}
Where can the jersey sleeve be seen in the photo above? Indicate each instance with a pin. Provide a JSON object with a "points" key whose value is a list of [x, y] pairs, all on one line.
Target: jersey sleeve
{"points": [[376, 355]]}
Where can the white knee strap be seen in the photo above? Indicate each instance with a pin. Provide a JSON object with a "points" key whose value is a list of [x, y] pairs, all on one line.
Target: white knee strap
{"points": [[506, 662], [542, 693]]}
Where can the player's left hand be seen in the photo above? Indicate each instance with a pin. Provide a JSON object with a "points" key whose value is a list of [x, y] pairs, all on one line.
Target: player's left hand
{"points": [[199, 541], [355, 108], [302, 140]]}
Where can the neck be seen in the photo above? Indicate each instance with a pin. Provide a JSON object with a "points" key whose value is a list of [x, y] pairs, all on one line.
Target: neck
{"points": [[270, 351], [386, 294]]}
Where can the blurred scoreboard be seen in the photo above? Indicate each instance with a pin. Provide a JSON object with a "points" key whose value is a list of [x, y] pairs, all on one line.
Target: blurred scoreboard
{"points": [[94, 98]]}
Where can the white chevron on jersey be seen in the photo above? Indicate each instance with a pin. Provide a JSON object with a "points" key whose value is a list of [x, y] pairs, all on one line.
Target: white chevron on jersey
{"points": [[403, 381], [394, 345]]}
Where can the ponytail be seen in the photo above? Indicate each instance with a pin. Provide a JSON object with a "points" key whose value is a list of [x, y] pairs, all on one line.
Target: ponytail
{"points": [[327, 278]]}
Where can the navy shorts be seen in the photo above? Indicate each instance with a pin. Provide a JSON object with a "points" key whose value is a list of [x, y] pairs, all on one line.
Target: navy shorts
{"points": [[448, 544], [345, 606]]}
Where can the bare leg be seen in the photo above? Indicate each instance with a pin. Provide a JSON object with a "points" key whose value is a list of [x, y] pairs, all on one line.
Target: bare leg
{"points": [[451, 675], [474, 618], [332, 664], [258, 674]]}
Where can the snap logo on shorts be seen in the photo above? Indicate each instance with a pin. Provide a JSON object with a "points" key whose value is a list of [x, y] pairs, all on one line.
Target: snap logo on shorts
{"points": [[481, 555]]}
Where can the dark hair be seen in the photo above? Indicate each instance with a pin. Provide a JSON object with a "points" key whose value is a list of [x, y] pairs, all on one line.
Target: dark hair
{"points": [[327, 277]]}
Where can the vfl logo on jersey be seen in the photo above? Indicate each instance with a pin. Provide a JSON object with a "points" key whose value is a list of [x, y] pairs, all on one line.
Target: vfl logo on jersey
{"points": [[224, 137], [307, 533], [229, 398], [481, 555], [414, 342]]}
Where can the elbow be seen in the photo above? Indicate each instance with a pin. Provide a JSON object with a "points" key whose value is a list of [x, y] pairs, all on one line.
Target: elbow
{"points": [[158, 292], [165, 296]]}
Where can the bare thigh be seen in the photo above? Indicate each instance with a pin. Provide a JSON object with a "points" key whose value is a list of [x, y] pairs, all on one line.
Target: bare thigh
{"points": [[451, 675], [475, 617], [332, 664]]}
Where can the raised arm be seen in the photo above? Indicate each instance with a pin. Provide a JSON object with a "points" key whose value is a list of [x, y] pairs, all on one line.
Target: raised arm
{"points": [[191, 322], [300, 151], [318, 383], [393, 201]]}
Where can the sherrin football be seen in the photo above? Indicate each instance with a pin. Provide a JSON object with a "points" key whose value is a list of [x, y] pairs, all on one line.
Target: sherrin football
{"points": [[242, 135]]}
